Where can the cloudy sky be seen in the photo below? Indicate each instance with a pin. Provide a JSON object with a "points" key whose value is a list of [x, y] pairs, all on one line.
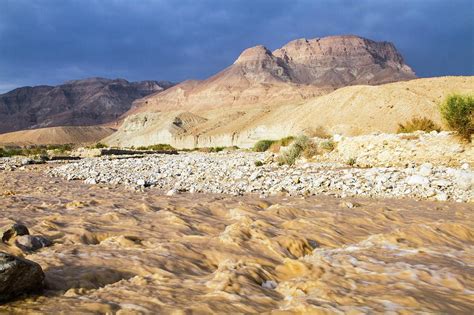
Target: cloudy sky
{"points": [[51, 41]]}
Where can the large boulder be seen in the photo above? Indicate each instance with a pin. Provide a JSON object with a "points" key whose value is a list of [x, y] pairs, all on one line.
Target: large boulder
{"points": [[18, 276]]}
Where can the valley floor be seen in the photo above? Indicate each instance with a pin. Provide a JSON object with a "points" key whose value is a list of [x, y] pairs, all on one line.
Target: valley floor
{"points": [[123, 250]]}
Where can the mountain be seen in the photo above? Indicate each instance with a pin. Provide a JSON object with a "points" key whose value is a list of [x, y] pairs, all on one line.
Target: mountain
{"points": [[56, 135], [90, 101], [300, 70], [233, 106]]}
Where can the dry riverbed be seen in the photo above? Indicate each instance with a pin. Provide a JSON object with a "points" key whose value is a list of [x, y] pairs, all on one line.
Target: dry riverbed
{"points": [[123, 250]]}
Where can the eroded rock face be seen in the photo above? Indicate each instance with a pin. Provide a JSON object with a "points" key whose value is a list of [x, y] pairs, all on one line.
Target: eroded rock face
{"points": [[74, 103], [18, 276], [343, 60]]}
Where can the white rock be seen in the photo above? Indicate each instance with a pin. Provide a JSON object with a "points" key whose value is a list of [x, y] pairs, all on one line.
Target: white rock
{"points": [[172, 192], [90, 181], [465, 180], [441, 197], [465, 166], [417, 180], [141, 182], [426, 169]]}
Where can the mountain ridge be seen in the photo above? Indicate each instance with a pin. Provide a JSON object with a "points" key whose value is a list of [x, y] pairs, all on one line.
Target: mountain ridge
{"points": [[90, 101]]}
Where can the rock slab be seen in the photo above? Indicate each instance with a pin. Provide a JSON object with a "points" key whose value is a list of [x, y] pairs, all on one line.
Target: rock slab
{"points": [[18, 276]]}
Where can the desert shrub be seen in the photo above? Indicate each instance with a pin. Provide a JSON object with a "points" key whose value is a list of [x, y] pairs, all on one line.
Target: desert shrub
{"points": [[351, 162], [60, 148], [5, 152], [458, 112], [258, 163], [416, 123], [39, 150], [156, 147], [318, 132], [327, 145], [301, 146], [284, 142], [263, 145], [98, 145]]}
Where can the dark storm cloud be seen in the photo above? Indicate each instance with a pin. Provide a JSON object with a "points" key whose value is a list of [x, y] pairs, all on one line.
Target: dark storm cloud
{"points": [[50, 41]]}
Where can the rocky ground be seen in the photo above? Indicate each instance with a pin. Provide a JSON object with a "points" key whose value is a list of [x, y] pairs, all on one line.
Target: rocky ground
{"points": [[236, 173]]}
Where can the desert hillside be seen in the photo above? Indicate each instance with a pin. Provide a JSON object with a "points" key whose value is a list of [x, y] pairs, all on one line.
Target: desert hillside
{"points": [[56, 135], [350, 110], [81, 102], [293, 73]]}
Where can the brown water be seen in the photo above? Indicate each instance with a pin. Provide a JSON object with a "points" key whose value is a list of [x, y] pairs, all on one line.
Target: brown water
{"points": [[125, 252]]}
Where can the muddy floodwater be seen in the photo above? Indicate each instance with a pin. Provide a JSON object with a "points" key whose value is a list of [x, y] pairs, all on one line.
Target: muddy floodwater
{"points": [[132, 252]]}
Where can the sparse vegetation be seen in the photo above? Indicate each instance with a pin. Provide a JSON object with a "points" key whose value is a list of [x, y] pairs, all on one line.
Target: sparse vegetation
{"points": [[302, 146], [416, 123], [458, 112], [98, 145], [351, 162], [156, 147], [318, 132], [272, 145], [258, 163], [327, 145], [263, 145], [283, 142], [35, 150]]}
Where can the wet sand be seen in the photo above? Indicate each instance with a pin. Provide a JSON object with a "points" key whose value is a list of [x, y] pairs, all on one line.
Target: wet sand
{"points": [[122, 251]]}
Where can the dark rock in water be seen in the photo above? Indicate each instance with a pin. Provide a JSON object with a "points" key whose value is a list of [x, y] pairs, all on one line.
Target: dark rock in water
{"points": [[18, 276], [32, 242], [14, 231]]}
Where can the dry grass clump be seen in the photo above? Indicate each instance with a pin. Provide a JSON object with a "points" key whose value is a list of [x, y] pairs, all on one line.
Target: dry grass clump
{"points": [[416, 123], [458, 112], [318, 132], [283, 142], [302, 146]]}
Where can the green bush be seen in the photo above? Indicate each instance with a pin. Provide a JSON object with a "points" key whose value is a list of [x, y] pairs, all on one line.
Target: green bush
{"points": [[98, 145], [284, 142], [301, 146], [328, 145], [458, 112], [263, 145], [258, 163], [351, 162], [415, 124], [34, 150], [156, 147]]}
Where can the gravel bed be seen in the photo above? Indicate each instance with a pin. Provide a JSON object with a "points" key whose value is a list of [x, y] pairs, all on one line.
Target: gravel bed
{"points": [[236, 173]]}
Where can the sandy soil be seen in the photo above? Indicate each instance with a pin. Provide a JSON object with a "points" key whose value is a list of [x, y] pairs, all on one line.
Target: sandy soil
{"points": [[117, 250]]}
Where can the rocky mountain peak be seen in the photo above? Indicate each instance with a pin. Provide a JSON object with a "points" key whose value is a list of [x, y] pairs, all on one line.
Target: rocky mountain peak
{"points": [[343, 60], [254, 54]]}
